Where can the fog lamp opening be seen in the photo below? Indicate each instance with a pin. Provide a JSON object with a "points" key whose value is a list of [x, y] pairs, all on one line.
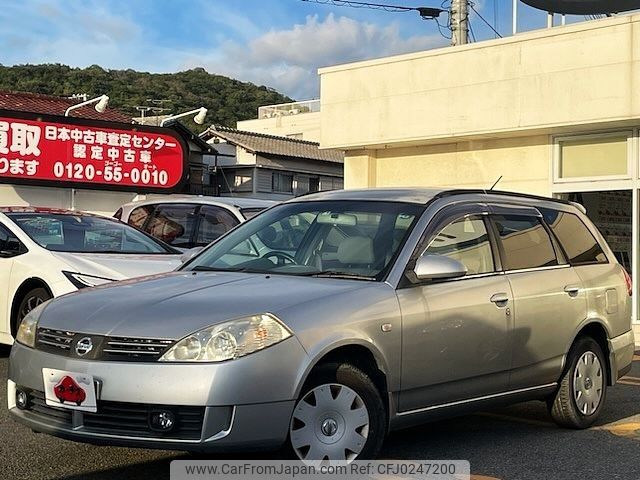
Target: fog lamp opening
{"points": [[162, 420], [22, 399]]}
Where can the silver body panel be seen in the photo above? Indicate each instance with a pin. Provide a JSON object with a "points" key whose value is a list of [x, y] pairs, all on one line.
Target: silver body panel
{"points": [[443, 347]]}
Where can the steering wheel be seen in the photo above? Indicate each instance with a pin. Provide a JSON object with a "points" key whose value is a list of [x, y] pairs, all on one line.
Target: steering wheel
{"points": [[282, 257]]}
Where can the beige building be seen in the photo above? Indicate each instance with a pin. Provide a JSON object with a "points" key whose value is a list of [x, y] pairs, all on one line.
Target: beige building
{"points": [[552, 112]]}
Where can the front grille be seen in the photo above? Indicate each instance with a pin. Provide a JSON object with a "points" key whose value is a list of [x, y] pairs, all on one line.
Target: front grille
{"points": [[44, 411], [121, 418], [121, 349], [54, 340], [144, 349]]}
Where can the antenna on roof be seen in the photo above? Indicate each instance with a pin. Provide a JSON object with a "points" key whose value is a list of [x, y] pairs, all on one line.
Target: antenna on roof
{"points": [[497, 181]]}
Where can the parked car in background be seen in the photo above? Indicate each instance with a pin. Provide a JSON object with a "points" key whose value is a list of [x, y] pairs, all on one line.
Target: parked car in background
{"points": [[388, 308], [186, 222], [48, 252]]}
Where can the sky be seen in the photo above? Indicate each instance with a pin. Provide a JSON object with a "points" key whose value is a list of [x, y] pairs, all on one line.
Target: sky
{"points": [[277, 43]]}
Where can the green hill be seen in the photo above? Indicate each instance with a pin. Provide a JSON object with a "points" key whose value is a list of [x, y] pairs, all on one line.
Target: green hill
{"points": [[228, 100]]}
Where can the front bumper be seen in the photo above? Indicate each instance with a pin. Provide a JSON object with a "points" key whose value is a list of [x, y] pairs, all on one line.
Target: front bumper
{"points": [[242, 404]]}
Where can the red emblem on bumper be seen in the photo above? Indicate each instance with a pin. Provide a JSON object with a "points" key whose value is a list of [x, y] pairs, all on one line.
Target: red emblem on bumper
{"points": [[67, 390]]}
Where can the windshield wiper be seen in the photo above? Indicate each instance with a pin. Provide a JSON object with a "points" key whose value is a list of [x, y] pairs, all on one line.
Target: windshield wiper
{"points": [[338, 274]]}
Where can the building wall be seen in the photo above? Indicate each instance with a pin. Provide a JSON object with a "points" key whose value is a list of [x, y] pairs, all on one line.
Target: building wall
{"points": [[523, 162], [305, 124], [540, 82]]}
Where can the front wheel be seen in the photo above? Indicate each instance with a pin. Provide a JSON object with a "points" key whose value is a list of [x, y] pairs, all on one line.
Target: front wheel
{"points": [[31, 300], [339, 416], [583, 387]]}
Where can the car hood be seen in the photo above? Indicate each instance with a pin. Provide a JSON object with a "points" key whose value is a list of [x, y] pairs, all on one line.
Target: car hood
{"points": [[172, 305], [118, 266]]}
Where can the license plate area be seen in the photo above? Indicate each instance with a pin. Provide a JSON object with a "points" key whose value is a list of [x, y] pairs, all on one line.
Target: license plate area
{"points": [[72, 390]]}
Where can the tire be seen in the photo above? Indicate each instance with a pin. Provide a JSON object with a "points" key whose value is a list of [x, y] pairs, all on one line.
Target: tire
{"points": [[583, 386], [339, 416], [29, 301]]}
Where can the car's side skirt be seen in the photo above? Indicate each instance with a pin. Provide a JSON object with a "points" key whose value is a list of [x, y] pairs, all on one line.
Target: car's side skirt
{"points": [[461, 407]]}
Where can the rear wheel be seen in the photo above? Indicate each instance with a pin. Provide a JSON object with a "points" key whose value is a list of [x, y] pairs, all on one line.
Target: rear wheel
{"points": [[583, 387], [31, 300], [339, 416]]}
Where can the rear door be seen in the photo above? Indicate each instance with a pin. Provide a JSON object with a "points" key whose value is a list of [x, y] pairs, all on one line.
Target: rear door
{"points": [[548, 297]]}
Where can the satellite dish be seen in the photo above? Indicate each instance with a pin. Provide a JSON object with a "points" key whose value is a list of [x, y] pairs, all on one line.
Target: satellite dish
{"points": [[584, 7]]}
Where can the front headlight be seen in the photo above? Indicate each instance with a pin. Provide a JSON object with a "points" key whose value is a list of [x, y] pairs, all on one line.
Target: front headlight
{"points": [[27, 330], [229, 340], [80, 280]]}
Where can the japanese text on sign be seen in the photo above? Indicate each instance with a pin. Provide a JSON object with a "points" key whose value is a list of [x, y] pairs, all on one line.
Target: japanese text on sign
{"points": [[38, 150]]}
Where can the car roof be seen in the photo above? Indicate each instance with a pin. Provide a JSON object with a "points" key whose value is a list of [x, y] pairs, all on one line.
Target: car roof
{"points": [[238, 202], [53, 211]]}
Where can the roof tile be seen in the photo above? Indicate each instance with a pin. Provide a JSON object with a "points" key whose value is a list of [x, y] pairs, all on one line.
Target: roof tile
{"points": [[52, 105], [274, 145]]}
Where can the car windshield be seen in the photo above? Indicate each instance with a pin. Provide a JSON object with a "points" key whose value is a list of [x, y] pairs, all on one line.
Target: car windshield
{"points": [[86, 234], [347, 239]]}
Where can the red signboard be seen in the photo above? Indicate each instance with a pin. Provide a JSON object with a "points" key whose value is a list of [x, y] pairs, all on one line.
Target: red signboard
{"points": [[61, 151]]}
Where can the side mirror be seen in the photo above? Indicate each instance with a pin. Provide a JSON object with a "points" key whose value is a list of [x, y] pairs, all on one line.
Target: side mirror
{"points": [[189, 254], [432, 267]]}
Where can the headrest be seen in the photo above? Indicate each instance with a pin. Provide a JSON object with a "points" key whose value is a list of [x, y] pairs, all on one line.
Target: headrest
{"points": [[356, 250]]}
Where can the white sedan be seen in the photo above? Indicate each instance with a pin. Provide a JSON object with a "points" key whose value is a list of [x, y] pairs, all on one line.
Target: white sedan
{"points": [[47, 252]]}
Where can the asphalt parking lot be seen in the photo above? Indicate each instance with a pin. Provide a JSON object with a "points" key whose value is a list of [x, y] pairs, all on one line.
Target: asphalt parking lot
{"points": [[519, 442]]}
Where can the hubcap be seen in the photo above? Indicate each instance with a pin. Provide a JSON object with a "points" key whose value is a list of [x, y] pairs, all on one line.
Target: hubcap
{"points": [[331, 422], [588, 383]]}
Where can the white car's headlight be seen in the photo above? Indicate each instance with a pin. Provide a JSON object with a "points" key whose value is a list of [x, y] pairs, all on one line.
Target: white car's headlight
{"points": [[229, 340], [27, 330], [80, 280]]}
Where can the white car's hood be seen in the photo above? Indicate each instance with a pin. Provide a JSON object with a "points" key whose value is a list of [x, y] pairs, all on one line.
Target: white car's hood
{"points": [[118, 266]]}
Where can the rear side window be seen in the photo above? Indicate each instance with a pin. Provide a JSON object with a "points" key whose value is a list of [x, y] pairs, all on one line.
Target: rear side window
{"points": [[525, 242], [214, 222], [577, 241], [173, 224], [139, 215]]}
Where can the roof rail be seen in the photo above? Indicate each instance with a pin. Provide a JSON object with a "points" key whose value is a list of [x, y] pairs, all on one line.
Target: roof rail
{"points": [[462, 191]]}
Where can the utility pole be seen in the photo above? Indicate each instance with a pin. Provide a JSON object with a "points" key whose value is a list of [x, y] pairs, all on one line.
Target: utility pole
{"points": [[459, 22]]}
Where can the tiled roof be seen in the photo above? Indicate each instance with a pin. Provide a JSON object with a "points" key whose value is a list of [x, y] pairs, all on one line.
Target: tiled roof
{"points": [[51, 105], [274, 145]]}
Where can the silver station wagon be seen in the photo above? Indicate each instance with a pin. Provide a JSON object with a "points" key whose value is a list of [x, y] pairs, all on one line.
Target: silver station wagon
{"points": [[327, 321]]}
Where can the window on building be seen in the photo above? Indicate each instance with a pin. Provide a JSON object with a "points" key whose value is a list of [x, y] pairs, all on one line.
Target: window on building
{"points": [[525, 241], [314, 184], [590, 157], [577, 241], [243, 182], [282, 182], [465, 240]]}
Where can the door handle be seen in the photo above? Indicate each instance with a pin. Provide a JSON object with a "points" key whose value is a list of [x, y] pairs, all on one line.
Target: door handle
{"points": [[500, 299], [572, 290]]}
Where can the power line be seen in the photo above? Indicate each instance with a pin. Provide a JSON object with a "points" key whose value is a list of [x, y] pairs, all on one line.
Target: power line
{"points": [[484, 20], [425, 12]]}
